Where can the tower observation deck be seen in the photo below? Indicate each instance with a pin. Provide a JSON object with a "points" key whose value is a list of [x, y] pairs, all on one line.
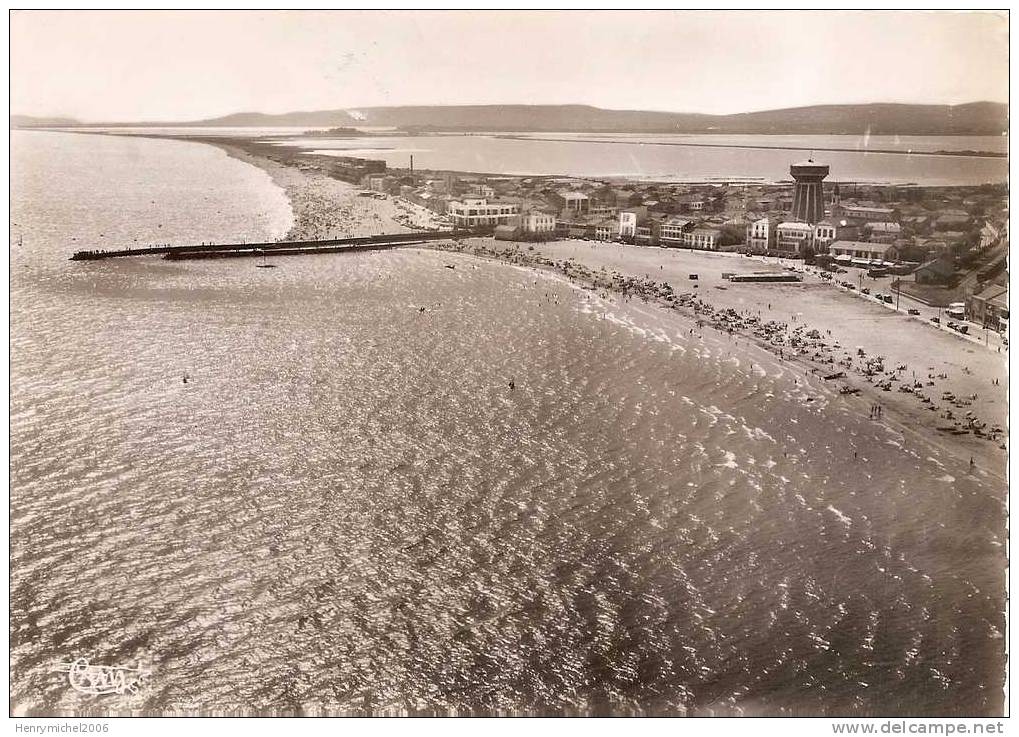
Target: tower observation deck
{"points": [[808, 196]]}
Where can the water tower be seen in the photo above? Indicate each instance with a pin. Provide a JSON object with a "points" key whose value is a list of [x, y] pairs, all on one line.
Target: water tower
{"points": [[808, 197]]}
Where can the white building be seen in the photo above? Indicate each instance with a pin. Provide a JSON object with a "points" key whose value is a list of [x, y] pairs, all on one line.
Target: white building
{"points": [[536, 221], [606, 230], [705, 239], [793, 238], [825, 233], [482, 190], [860, 251], [760, 236], [628, 223], [575, 202], [473, 212], [675, 230]]}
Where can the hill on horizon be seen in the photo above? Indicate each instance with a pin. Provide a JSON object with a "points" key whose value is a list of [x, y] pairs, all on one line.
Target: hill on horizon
{"points": [[975, 118]]}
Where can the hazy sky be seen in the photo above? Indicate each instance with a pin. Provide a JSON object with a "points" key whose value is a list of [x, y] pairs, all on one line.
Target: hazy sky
{"points": [[181, 65]]}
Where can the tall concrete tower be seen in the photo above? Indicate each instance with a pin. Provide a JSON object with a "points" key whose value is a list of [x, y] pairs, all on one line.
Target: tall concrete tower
{"points": [[808, 197]]}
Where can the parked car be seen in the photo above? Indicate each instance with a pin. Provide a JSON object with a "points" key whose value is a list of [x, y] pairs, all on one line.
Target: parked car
{"points": [[913, 311], [936, 320], [865, 290]]}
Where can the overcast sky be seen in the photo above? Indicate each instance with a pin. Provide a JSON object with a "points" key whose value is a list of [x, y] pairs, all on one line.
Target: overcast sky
{"points": [[182, 65]]}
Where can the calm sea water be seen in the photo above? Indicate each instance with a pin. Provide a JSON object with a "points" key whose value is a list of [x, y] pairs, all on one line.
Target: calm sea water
{"points": [[665, 158], [346, 508], [919, 144], [72, 191]]}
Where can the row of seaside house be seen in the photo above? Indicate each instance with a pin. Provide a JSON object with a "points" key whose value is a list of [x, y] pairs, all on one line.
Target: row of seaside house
{"points": [[561, 214], [853, 234], [512, 220]]}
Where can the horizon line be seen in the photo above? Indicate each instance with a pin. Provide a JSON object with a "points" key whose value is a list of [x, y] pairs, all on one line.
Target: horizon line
{"points": [[510, 104]]}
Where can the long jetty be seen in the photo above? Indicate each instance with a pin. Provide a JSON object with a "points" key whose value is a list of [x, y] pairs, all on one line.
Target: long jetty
{"points": [[275, 248]]}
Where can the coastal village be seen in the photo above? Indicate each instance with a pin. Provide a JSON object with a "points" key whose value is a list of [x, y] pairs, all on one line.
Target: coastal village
{"points": [[933, 254], [854, 256], [946, 246]]}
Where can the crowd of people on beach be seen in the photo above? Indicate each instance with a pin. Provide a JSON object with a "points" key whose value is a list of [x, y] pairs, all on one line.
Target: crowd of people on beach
{"points": [[817, 351]]}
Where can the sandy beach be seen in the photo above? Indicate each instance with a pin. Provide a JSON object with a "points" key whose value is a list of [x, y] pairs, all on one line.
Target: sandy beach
{"points": [[326, 208], [921, 379]]}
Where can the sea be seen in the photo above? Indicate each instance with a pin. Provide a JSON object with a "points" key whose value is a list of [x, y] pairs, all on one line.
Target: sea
{"points": [[757, 159], [414, 482], [720, 158]]}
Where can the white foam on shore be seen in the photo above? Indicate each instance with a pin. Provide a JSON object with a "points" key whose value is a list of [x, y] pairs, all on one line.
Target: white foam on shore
{"points": [[712, 415], [659, 336], [756, 433], [843, 518]]}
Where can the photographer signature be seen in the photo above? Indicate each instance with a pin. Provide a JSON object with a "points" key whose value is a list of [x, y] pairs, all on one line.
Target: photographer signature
{"points": [[103, 679]]}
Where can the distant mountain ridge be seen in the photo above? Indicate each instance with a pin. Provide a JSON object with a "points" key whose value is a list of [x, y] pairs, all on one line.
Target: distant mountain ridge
{"points": [[975, 118]]}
